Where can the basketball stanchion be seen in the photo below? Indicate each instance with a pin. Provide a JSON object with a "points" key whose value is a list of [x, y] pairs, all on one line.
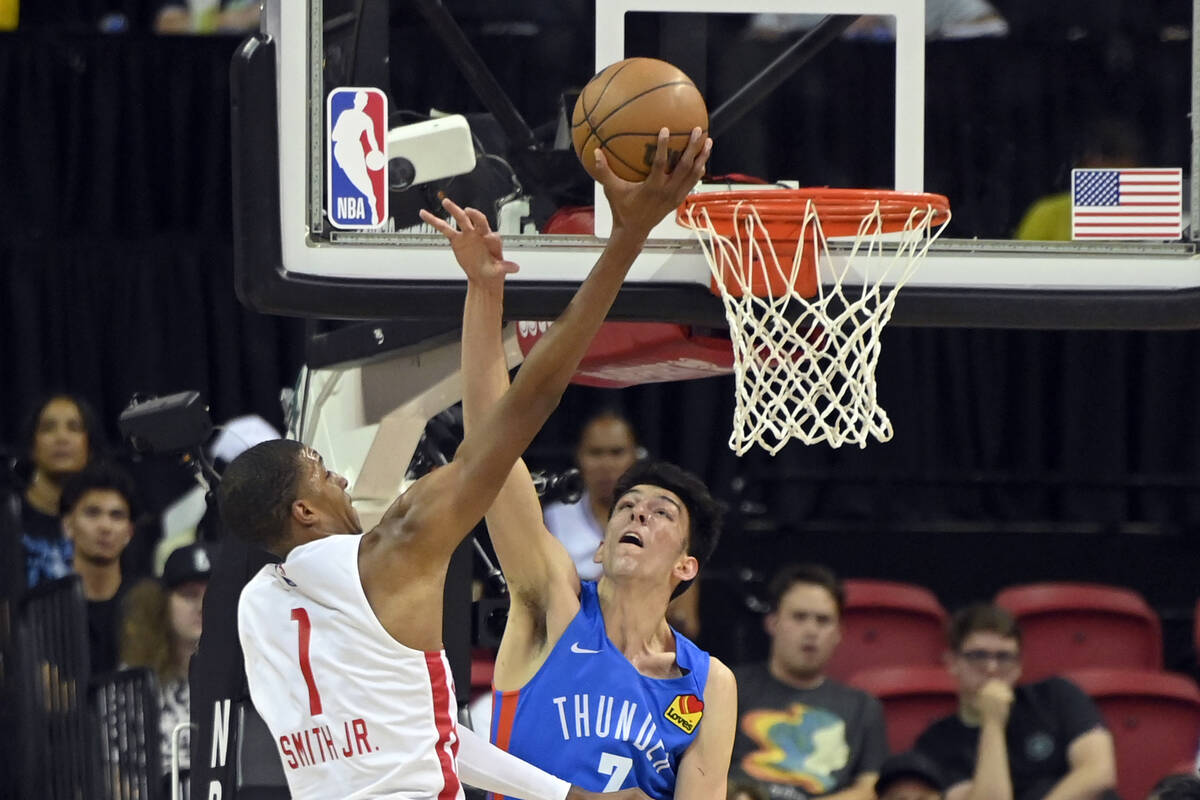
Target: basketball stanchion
{"points": [[805, 322]]}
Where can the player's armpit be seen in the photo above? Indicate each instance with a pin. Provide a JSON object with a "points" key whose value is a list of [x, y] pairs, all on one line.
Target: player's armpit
{"points": [[705, 765]]}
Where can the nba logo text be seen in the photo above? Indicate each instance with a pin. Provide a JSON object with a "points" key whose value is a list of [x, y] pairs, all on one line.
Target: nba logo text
{"points": [[356, 157]]}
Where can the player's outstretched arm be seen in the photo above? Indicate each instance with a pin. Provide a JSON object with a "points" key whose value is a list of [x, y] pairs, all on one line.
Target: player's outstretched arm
{"points": [[536, 566], [454, 498], [704, 768]]}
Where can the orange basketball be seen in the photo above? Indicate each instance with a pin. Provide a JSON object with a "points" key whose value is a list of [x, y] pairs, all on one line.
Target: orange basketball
{"points": [[622, 109]]}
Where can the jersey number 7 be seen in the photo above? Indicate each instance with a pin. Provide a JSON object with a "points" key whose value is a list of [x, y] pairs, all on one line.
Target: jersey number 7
{"points": [[615, 766], [299, 615]]}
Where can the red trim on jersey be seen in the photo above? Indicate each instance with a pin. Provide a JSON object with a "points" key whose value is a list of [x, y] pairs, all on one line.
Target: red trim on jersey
{"points": [[447, 739], [504, 705]]}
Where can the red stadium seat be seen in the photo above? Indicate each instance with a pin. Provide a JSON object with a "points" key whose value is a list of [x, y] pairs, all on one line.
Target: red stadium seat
{"points": [[913, 697], [1154, 718], [886, 623], [1067, 626]]}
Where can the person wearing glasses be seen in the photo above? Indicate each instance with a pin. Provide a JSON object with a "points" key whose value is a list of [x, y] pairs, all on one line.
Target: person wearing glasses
{"points": [[1014, 742]]}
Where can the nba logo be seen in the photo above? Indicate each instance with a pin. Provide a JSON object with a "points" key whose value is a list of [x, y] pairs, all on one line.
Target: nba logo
{"points": [[356, 157]]}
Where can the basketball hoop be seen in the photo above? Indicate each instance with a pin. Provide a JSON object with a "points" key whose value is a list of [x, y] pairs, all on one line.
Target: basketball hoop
{"points": [[805, 333]]}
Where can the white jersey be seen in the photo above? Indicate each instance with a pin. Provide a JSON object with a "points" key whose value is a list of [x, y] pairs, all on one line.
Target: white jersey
{"points": [[354, 713]]}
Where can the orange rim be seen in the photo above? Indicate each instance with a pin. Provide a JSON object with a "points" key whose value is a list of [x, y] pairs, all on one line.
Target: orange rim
{"points": [[841, 211]]}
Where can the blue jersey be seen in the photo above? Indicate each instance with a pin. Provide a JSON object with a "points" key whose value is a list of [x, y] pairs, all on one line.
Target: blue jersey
{"points": [[589, 717]]}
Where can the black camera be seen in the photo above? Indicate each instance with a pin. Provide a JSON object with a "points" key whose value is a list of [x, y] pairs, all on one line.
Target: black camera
{"points": [[561, 487], [171, 424]]}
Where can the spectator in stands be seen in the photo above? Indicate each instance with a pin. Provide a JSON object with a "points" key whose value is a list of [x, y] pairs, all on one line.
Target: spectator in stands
{"points": [[1043, 739], [98, 507], [59, 439], [160, 630], [207, 16], [1108, 143], [1185, 786], [607, 447], [909, 776], [800, 733]]}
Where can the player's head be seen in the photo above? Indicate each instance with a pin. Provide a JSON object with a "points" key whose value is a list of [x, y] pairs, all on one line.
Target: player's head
{"points": [[607, 447], [984, 644], [663, 520], [279, 494], [805, 622], [98, 506]]}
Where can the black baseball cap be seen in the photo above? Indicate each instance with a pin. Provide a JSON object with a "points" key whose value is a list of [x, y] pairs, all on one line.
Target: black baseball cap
{"points": [[910, 764], [192, 562]]}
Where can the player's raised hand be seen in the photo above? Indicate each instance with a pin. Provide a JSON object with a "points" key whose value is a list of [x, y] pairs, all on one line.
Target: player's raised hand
{"points": [[476, 246], [621, 794], [640, 206]]}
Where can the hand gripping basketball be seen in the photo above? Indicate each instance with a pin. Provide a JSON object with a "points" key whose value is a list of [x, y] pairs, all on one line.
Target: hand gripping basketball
{"points": [[638, 207]]}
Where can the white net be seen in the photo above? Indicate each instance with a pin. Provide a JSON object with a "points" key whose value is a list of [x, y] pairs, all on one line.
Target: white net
{"points": [[804, 367]]}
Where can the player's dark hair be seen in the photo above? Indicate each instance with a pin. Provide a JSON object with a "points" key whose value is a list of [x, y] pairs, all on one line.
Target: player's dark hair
{"points": [[981, 617], [808, 574], [704, 511], [257, 491], [99, 476]]}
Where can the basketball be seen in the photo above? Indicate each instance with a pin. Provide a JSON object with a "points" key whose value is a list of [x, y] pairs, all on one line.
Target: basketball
{"points": [[622, 109], [375, 160]]}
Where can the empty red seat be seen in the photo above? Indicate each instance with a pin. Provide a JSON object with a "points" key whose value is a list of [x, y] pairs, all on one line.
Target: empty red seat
{"points": [[887, 623], [1154, 718], [1066, 626], [913, 698]]}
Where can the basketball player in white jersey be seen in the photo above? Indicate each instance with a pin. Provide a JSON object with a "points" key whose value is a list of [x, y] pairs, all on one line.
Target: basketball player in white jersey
{"points": [[342, 640]]}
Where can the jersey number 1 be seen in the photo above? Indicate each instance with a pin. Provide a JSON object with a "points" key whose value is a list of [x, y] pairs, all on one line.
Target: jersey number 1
{"points": [[300, 616]]}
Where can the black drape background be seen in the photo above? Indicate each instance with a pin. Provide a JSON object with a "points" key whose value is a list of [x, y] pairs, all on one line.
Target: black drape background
{"points": [[1019, 455]]}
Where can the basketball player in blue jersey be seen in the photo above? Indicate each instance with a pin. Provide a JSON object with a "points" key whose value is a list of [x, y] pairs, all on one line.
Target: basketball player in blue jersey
{"points": [[591, 683]]}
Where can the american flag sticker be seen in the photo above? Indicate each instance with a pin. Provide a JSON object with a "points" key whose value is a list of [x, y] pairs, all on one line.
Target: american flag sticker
{"points": [[1127, 203], [356, 157]]}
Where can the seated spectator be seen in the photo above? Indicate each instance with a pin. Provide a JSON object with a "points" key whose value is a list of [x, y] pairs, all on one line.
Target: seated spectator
{"points": [[607, 447], [1009, 742], [1108, 143], [1177, 787], [800, 733], [909, 776], [58, 439], [160, 630], [98, 506], [207, 16]]}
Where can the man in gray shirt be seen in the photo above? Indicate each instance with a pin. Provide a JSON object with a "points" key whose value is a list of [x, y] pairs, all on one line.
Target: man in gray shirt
{"points": [[800, 733]]}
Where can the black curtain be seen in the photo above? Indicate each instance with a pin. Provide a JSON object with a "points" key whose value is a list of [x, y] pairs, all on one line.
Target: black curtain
{"points": [[116, 262]]}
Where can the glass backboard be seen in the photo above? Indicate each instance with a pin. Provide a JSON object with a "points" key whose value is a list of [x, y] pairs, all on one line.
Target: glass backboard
{"points": [[995, 109]]}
